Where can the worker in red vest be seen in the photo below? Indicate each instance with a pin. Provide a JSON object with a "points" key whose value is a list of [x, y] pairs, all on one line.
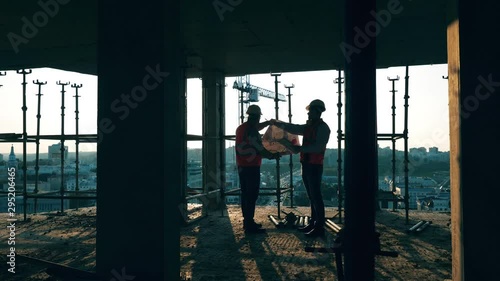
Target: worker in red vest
{"points": [[316, 134], [249, 153]]}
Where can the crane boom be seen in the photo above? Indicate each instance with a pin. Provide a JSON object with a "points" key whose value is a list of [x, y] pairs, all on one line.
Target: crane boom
{"points": [[254, 91]]}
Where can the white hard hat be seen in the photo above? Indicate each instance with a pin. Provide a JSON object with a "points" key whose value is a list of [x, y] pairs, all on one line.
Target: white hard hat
{"points": [[318, 104], [254, 110]]}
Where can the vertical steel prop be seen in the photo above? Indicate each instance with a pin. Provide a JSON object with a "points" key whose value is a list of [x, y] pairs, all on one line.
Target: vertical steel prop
{"points": [[276, 107], [38, 117], [339, 81], [242, 116], [77, 141], [289, 87], [62, 84], [393, 137], [24, 72], [405, 133]]}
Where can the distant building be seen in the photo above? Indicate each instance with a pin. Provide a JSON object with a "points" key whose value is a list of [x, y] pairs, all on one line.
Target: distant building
{"points": [[55, 152], [422, 182], [422, 150], [415, 195], [12, 159], [439, 202], [433, 150]]}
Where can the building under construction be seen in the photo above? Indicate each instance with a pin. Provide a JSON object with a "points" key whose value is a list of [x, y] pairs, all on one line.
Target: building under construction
{"points": [[148, 50]]}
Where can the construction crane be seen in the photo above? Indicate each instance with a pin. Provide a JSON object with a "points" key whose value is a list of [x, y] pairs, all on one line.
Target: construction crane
{"points": [[251, 93]]}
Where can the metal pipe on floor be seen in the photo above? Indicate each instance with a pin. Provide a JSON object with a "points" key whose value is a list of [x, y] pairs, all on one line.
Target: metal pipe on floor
{"points": [[416, 226], [275, 221], [301, 221], [424, 226], [335, 227]]}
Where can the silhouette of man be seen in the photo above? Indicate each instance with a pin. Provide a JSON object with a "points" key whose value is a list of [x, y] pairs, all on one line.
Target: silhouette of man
{"points": [[316, 134]]}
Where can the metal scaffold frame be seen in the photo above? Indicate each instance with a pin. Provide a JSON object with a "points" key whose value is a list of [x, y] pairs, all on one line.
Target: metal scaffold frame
{"points": [[25, 139], [380, 136], [246, 87]]}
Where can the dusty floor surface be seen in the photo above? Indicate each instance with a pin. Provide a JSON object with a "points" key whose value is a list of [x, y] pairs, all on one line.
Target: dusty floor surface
{"points": [[216, 248]]}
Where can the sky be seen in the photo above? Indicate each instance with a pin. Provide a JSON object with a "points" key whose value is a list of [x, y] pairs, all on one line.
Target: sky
{"points": [[428, 105]]}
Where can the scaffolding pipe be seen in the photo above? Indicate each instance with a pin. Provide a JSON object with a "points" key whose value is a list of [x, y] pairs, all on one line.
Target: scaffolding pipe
{"points": [[77, 141], [333, 224], [415, 227], [62, 142], [276, 107], [289, 87], [335, 228], [278, 223], [423, 226], [81, 138], [202, 194], [24, 72], [59, 197], [242, 116], [393, 91], [339, 80], [407, 78], [37, 157], [232, 190], [301, 221]]}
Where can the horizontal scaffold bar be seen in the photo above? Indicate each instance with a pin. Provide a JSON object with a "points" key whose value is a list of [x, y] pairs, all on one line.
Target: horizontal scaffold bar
{"points": [[202, 194], [60, 197], [82, 138]]}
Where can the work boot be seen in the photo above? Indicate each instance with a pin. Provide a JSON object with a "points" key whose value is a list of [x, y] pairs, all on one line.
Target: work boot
{"points": [[254, 230], [306, 228], [251, 224], [317, 231]]}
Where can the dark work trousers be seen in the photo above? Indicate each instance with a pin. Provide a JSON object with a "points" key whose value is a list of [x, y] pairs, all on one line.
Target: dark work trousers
{"points": [[250, 185], [311, 175]]}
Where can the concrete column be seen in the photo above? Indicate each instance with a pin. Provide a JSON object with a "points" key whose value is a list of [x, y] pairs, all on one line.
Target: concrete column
{"points": [[360, 144], [141, 139], [213, 113], [474, 87]]}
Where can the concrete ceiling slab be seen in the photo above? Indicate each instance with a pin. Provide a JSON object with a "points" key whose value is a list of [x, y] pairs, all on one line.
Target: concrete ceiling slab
{"points": [[250, 37]]}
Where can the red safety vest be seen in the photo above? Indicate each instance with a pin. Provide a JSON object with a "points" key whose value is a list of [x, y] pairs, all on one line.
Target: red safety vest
{"points": [[310, 132], [246, 153]]}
